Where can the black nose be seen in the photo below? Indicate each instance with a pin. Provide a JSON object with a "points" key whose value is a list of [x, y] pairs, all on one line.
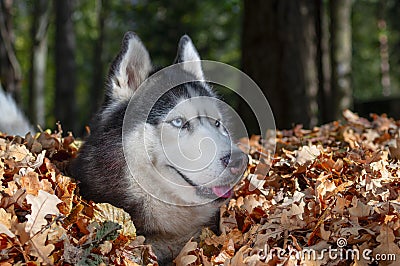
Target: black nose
{"points": [[236, 161]]}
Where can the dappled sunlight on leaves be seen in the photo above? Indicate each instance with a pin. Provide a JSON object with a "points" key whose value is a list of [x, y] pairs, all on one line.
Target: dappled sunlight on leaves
{"points": [[333, 182], [42, 218], [340, 180]]}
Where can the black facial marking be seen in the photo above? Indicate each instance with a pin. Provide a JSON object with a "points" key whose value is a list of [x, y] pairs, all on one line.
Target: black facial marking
{"points": [[187, 180], [169, 100]]}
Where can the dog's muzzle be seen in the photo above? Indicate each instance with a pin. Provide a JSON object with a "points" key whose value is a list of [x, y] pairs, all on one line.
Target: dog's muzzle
{"points": [[235, 164]]}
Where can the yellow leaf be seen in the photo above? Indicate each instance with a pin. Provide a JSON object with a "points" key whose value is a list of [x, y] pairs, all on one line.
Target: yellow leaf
{"points": [[107, 212]]}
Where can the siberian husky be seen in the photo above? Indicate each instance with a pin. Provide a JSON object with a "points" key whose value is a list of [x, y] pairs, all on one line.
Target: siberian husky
{"points": [[158, 172]]}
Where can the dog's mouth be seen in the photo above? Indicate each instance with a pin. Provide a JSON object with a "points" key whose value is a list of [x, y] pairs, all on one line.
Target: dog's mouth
{"points": [[220, 191], [223, 191]]}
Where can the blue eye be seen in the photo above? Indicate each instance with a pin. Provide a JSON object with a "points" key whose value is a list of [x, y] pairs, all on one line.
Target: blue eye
{"points": [[177, 122]]}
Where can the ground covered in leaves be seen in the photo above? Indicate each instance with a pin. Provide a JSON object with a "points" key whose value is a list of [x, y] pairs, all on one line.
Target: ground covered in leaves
{"points": [[326, 196]]}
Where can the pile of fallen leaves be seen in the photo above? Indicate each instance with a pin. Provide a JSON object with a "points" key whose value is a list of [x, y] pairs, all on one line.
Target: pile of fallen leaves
{"points": [[326, 196], [43, 220]]}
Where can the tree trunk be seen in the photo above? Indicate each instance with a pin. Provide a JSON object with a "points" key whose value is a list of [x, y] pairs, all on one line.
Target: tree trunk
{"points": [[10, 70], [340, 55], [384, 49], [65, 108], [323, 62], [97, 87], [38, 62], [279, 54]]}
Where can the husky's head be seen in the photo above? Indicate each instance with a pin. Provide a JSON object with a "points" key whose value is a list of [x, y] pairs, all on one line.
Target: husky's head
{"points": [[175, 137]]}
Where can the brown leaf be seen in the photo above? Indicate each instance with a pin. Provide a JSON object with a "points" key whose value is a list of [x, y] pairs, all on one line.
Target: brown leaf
{"points": [[41, 205], [387, 245], [31, 183], [395, 151], [39, 249], [185, 258]]}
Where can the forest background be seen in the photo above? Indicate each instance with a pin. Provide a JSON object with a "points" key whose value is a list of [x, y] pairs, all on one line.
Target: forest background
{"points": [[311, 58]]}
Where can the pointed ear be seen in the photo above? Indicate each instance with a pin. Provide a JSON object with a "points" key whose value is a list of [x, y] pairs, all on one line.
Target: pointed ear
{"points": [[129, 69], [188, 53]]}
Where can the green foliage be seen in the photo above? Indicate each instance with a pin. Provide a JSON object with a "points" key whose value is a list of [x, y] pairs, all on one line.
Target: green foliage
{"points": [[366, 61], [214, 26], [393, 11], [91, 260], [366, 54], [23, 42], [108, 231]]}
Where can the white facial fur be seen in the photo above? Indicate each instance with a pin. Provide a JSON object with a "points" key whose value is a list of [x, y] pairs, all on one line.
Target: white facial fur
{"points": [[196, 151]]}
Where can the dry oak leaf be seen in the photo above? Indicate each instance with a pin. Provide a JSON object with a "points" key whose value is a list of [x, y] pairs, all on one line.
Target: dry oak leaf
{"points": [[354, 230], [355, 119], [105, 247], [30, 181], [41, 205], [325, 234], [239, 257], [17, 151], [3, 144], [227, 253], [1, 169], [184, 258], [17, 196], [387, 246], [39, 248], [307, 153], [340, 205], [107, 212], [250, 202], [326, 187], [65, 191], [227, 218], [39, 160], [359, 209], [395, 151], [5, 223], [362, 260]]}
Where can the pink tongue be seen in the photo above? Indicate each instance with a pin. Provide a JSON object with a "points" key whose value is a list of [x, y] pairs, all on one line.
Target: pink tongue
{"points": [[222, 191]]}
